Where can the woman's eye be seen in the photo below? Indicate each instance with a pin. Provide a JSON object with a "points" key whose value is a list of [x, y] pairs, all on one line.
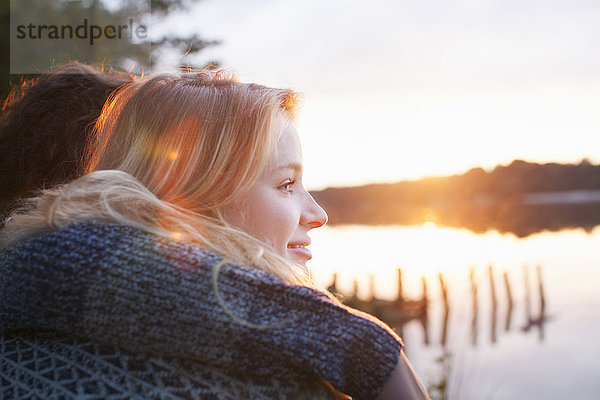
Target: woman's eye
{"points": [[286, 186]]}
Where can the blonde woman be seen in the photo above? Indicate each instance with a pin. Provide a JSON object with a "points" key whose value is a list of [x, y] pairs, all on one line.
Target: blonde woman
{"points": [[176, 267]]}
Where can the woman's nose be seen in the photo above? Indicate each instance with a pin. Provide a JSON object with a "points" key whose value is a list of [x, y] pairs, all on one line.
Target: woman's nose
{"points": [[313, 215]]}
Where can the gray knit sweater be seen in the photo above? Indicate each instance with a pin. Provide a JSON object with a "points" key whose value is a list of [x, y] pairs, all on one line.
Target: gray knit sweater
{"points": [[98, 310]]}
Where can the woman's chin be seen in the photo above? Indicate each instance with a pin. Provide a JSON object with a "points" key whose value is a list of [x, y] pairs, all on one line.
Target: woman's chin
{"points": [[300, 261]]}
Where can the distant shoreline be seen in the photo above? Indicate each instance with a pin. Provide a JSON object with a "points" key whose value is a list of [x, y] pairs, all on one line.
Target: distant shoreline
{"points": [[522, 198]]}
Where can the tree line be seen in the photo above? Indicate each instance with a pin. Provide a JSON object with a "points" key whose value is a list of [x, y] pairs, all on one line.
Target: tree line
{"points": [[479, 200]]}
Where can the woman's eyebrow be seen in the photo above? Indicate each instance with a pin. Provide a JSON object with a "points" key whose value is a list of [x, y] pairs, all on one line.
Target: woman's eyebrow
{"points": [[291, 165]]}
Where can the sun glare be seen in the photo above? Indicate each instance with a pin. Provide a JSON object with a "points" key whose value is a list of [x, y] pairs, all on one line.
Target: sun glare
{"points": [[173, 155], [175, 235], [430, 221]]}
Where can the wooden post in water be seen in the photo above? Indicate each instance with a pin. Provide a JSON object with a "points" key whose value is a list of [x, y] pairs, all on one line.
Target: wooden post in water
{"points": [[372, 286], [494, 304], [355, 288], [510, 302], [527, 293], [333, 287], [400, 296], [474, 330], [508, 291], [473, 289], [541, 290], [353, 301], [540, 319], [425, 298], [424, 317], [542, 316], [444, 291], [492, 288]]}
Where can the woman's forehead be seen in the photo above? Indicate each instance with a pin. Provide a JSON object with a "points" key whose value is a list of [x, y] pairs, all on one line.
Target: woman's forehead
{"points": [[288, 152]]}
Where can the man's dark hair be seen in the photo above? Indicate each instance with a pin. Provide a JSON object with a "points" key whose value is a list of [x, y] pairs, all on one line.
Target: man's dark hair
{"points": [[44, 126]]}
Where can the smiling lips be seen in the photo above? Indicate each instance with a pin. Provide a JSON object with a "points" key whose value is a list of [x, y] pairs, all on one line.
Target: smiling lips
{"points": [[299, 248]]}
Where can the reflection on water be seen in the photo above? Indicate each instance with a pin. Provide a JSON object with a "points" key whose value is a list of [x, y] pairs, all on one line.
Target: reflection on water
{"points": [[485, 316], [401, 310]]}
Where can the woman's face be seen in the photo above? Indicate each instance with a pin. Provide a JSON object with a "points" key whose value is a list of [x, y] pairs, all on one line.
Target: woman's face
{"points": [[278, 210]]}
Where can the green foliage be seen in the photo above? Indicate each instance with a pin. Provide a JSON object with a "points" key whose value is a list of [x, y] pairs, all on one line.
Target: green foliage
{"points": [[5, 78], [64, 12], [438, 389]]}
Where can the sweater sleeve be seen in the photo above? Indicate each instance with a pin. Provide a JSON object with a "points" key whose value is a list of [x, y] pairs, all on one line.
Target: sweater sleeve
{"points": [[117, 285]]}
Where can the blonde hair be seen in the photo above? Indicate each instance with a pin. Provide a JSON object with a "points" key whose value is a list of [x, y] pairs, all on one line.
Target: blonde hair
{"points": [[168, 153]]}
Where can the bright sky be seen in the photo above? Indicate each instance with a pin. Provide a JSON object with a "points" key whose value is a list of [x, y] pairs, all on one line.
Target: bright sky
{"points": [[397, 90]]}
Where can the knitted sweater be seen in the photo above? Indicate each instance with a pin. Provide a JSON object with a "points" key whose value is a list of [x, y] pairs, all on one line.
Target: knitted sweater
{"points": [[92, 291]]}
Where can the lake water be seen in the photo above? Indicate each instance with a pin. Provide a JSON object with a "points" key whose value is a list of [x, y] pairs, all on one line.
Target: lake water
{"points": [[483, 355]]}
